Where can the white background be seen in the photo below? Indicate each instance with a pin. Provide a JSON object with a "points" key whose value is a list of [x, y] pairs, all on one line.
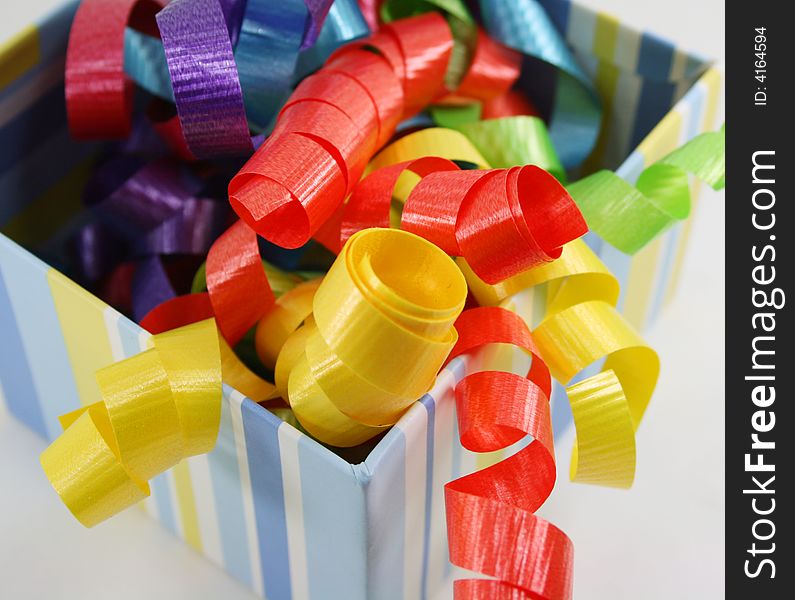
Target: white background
{"points": [[662, 539]]}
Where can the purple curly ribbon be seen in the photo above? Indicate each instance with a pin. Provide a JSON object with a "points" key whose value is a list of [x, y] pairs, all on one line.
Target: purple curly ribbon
{"points": [[204, 77], [318, 9]]}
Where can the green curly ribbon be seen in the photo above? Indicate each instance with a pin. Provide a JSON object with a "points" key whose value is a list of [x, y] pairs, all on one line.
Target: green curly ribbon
{"points": [[629, 217], [514, 141]]}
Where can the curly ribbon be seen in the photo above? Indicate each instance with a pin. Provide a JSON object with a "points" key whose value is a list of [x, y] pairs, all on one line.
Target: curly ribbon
{"points": [[580, 327], [158, 407], [511, 104], [289, 313], [607, 407], [278, 31], [514, 141], [382, 327], [491, 528], [236, 282], [433, 141], [629, 217], [274, 30], [323, 123], [503, 221], [576, 112], [191, 308], [98, 92], [576, 276], [204, 78], [344, 23]]}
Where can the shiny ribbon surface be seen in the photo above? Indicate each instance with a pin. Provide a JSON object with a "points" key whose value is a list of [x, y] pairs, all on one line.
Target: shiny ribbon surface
{"points": [[382, 328], [98, 92], [576, 111], [158, 407], [580, 327], [335, 120], [204, 78], [628, 216], [503, 221], [344, 167], [491, 528]]}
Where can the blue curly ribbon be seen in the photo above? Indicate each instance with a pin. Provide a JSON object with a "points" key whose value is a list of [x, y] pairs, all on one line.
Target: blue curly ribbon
{"points": [[575, 112]]}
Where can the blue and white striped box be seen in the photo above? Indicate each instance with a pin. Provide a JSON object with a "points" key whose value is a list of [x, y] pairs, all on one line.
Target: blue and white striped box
{"points": [[278, 511]]}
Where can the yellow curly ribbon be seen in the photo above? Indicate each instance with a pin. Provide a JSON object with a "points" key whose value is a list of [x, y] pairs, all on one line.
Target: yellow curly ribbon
{"points": [[243, 379], [604, 453], [433, 141], [290, 310], [576, 337], [578, 275], [383, 326], [158, 407], [581, 326]]}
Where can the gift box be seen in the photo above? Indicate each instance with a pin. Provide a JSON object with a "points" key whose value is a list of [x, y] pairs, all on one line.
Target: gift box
{"points": [[280, 512]]}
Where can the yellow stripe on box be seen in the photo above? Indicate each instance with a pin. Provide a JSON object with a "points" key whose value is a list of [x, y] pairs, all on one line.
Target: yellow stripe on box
{"points": [[640, 283], [606, 81], [187, 505], [18, 55], [82, 320], [58, 203], [663, 139]]}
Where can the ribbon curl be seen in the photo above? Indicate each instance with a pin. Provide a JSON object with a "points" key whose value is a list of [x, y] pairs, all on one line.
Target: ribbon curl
{"points": [[629, 217], [503, 221], [286, 203], [98, 92], [490, 522], [158, 407], [382, 327], [204, 78], [580, 327]]}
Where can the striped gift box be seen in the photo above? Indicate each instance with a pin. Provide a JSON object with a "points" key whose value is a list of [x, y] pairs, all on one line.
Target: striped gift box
{"points": [[278, 511]]}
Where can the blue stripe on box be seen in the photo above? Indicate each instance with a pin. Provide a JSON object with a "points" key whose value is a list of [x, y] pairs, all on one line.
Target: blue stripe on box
{"points": [[655, 56], [165, 510], [335, 534], [28, 290], [32, 127], [386, 512], [656, 97], [695, 99], [15, 377], [229, 499], [54, 30], [47, 165], [430, 405], [129, 334], [264, 464]]}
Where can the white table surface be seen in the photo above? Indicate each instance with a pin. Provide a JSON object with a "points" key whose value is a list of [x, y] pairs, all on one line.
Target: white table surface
{"points": [[662, 539]]}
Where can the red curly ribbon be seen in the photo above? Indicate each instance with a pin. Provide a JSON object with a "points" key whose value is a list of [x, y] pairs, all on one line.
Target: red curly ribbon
{"points": [[493, 70], [178, 311], [503, 221], [236, 282], [511, 104], [98, 92], [491, 527], [238, 293], [322, 123]]}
